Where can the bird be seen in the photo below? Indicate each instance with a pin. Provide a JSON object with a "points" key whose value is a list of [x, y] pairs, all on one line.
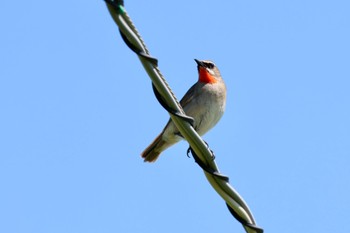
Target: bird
{"points": [[205, 102]]}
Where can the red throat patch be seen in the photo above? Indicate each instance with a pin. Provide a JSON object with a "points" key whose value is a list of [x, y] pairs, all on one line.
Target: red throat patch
{"points": [[205, 76]]}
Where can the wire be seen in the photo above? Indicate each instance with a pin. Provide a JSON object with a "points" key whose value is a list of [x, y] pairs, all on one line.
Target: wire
{"points": [[202, 155]]}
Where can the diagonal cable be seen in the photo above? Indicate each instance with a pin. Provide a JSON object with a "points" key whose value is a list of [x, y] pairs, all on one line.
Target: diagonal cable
{"points": [[199, 149]]}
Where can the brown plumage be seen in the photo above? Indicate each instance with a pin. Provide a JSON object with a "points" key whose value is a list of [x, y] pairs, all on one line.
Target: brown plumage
{"points": [[205, 101]]}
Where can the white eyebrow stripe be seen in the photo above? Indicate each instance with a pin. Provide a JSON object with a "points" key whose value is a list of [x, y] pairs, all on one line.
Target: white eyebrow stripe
{"points": [[210, 71]]}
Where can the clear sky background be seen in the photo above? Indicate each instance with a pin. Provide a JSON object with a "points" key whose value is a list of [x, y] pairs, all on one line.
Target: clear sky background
{"points": [[77, 109]]}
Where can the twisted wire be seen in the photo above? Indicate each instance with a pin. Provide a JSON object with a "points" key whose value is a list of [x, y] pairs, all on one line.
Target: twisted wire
{"points": [[209, 167]]}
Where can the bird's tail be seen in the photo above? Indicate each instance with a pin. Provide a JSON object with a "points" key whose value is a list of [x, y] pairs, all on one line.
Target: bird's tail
{"points": [[151, 153]]}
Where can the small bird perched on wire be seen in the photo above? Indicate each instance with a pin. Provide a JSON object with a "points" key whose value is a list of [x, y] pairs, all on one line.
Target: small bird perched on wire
{"points": [[205, 101]]}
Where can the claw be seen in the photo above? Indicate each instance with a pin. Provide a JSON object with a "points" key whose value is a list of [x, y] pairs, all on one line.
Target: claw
{"points": [[212, 152], [188, 152]]}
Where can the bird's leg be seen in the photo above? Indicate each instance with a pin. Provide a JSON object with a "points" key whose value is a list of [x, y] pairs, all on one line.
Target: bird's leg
{"points": [[212, 152], [188, 152]]}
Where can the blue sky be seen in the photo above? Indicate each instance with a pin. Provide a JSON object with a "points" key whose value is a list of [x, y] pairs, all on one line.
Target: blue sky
{"points": [[77, 110]]}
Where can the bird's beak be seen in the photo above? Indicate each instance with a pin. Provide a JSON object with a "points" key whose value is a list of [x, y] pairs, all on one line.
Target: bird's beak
{"points": [[199, 63]]}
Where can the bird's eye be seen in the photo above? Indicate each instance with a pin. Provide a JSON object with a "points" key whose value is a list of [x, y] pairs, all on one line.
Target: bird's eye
{"points": [[209, 65]]}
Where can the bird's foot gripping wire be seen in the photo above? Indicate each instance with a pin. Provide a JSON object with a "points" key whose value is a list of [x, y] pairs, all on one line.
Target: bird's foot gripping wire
{"points": [[204, 166], [211, 151]]}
